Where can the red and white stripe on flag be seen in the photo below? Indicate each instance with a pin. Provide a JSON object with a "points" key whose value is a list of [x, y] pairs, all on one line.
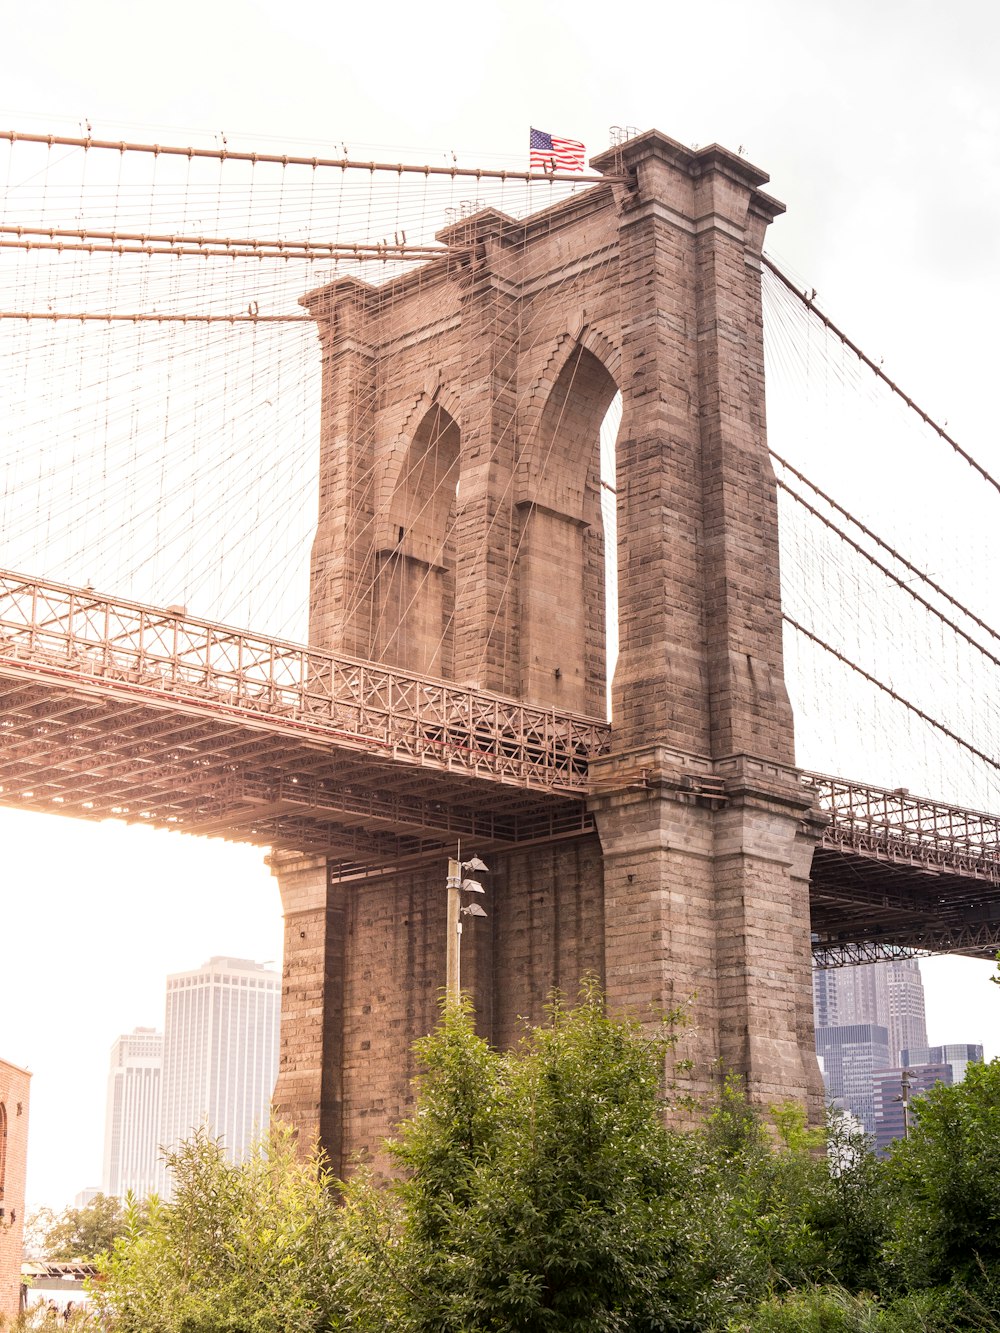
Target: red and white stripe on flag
{"points": [[550, 153]]}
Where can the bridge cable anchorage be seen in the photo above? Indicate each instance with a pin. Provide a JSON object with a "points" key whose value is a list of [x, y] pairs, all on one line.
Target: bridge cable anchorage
{"points": [[914, 569], [291, 160], [809, 303], [887, 689], [893, 577]]}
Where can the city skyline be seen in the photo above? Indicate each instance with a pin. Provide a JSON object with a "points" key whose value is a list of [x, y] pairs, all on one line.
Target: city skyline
{"points": [[870, 1027], [213, 1065], [889, 994]]}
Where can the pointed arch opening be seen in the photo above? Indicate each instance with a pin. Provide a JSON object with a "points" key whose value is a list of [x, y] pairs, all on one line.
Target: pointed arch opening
{"points": [[610, 427], [562, 543], [3, 1147], [415, 575]]}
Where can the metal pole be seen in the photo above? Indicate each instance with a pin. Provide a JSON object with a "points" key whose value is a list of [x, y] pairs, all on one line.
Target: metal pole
{"points": [[453, 983], [904, 1086]]}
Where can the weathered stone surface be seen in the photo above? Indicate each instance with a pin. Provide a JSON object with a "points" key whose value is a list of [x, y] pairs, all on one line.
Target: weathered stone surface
{"points": [[460, 534], [14, 1088]]}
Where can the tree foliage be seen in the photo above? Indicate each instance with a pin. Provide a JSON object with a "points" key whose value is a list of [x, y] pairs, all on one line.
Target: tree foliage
{"points": [[542, 1189], [944, 1183], [243, 1248], [76, 1233]]}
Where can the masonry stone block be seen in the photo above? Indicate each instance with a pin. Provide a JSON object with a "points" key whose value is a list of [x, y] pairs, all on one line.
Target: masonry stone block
{"points": [[460, 536]]}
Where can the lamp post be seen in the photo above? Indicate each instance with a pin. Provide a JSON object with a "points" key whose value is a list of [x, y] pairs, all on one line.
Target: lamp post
{"points": [[457, 885], [904, 1097]]}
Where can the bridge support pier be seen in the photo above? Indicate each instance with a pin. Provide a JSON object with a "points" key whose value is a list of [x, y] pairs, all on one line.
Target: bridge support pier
{"points": [[309, 1093], [706, 897]]}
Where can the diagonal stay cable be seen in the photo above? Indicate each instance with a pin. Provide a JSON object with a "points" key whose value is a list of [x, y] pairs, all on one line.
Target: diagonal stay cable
{"points": [[914, 569], [887, 689], [890, 574]]}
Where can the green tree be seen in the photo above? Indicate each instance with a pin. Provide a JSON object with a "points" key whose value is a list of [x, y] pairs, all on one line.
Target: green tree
{"points": [[816, 1309], [543, 1190], [802, 1205], [945, 1193], [247, 1248], [77, 1233]]}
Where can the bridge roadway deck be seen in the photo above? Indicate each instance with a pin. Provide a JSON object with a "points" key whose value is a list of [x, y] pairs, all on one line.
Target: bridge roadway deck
{"points": [[116, 709]]}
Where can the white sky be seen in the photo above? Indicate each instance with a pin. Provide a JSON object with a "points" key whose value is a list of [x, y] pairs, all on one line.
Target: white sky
{"points": [[879, 123]]}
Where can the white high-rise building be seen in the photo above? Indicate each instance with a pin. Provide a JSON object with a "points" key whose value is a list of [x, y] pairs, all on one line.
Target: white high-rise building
{"points": [[220, 1053], [132, 1119]]}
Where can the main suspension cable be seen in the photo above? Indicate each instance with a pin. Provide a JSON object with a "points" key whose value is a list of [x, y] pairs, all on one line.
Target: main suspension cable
{"points": [[809, 302], [293, 160]]}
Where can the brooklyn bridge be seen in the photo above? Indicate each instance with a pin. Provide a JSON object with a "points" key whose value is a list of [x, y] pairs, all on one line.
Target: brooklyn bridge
{"points": [[555, 578]]}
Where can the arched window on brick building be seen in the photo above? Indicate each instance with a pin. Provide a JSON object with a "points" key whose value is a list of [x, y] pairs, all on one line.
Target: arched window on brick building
{"points": [[3, 1146]]}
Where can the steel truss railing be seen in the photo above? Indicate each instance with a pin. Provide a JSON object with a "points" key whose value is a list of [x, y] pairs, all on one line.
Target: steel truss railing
{"points": [[81, 637], [897, 826], [89, 641]]}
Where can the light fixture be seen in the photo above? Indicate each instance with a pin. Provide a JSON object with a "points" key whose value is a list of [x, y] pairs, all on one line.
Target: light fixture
{"points": [[457, 885]]}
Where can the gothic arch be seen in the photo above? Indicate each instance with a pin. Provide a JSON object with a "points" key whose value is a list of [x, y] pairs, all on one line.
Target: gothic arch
{"points": [[561, 350], [561, 531], [391, 466], [414, 600]]}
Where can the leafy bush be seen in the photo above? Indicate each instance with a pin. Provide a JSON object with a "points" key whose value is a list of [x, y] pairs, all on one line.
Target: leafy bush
{"points": [[944, 1179], [247, 1248], [540, 1189], [814, 1310]]}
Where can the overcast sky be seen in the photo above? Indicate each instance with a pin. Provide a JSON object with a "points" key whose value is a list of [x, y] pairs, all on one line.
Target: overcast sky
{"points": [[879, 124]]}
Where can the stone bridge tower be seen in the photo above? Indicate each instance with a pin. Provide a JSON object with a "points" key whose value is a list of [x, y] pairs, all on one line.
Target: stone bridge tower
{"points": [[460, 536]]}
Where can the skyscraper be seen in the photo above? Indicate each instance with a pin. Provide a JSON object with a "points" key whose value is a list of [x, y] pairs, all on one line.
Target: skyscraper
{"points": [[850, 1054], [220, 1052], [132, 1119], [889, 994], [927, 1066], [958, 1055], [865, 1016], [907, 1017]]}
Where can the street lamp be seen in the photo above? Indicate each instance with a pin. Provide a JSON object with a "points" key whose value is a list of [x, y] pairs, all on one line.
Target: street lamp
{"points": [[457, 885], [904, 1097]]}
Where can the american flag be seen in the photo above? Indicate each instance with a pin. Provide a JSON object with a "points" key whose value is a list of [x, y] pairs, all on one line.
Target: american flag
{"points": [[550, 153]]}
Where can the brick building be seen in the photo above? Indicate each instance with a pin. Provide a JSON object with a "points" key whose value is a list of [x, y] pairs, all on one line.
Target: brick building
{"points": [[14, 1087]]}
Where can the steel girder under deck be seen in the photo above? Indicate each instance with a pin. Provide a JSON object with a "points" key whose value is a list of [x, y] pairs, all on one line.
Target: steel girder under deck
{"points": [[899, 874], [111, 708], [114, 708]]}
